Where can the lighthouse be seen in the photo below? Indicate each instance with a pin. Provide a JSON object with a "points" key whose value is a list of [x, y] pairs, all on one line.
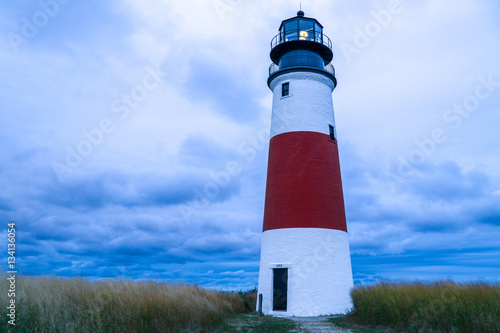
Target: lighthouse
{"points": [[305, 264]]}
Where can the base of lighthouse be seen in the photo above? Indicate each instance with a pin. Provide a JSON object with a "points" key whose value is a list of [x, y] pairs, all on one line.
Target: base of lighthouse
{"points": [[305, 272]]}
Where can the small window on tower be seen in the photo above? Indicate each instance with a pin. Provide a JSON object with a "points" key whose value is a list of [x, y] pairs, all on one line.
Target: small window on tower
{"points": [[285, 89], [332, 132]]}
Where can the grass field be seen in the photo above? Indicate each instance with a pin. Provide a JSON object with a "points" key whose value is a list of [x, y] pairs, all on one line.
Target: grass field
{"points": [[76, 305], [347, 322], [428, 307], [254, 324]]}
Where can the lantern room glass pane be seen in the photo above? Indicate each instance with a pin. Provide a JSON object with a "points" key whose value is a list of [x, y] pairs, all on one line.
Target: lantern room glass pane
{"points": [[290, 32], [306, 28], [306, 24], [318, 33], [290, 25]]}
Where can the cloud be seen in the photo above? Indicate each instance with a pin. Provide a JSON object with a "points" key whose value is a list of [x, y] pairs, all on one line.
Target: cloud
{"points": [[447, 182], [97, 190], [5, 205], [119, 213], [232, 97], [201, 150]]}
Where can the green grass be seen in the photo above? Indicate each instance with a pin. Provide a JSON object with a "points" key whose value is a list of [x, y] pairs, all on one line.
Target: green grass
{"points": [[77, 305], [428, 307], [253, 323], [349, 323]]}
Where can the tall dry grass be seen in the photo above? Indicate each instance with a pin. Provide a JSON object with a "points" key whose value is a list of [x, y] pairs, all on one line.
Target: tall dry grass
{"points": [[429, 307], [77, 305]]}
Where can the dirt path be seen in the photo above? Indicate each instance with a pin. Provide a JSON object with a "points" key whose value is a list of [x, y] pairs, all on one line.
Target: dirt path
{"points": [[316, 325]]}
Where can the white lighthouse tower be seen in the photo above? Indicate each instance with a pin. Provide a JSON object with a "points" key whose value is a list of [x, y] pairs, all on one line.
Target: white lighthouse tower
{"points": [[305, 265]]}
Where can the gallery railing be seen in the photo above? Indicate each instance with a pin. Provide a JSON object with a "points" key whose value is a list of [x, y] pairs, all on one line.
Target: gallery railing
{"points": [[291, 35]]}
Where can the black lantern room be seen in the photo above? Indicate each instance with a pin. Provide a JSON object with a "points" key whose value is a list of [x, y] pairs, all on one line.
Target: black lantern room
{"points": [[301, 45]]}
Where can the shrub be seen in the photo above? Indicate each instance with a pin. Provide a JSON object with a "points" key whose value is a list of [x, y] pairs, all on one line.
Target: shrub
{"points": [[77, 305], [423, 307]]}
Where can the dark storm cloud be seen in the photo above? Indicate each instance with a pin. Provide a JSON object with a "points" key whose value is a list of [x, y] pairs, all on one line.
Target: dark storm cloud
{"points": [[491, 215], [440, 196], [100, 189], [5, 204], [427, 220], [426, 265], [232, 244], [100, 246]]}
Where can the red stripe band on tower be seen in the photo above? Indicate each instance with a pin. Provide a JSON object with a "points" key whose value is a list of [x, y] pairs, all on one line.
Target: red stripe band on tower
{"points": [[304, 188]]}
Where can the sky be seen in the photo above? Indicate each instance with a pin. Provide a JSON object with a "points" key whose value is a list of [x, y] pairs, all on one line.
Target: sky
{"points": [[134, 136]]}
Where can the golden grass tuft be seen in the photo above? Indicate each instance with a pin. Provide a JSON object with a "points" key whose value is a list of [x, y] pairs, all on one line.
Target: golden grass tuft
{"points": [[77, 305], [429, 307]]}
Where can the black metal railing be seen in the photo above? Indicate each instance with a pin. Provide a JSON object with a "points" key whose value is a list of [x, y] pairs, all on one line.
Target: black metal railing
{"points": [[291, 35], [301, 61]]}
